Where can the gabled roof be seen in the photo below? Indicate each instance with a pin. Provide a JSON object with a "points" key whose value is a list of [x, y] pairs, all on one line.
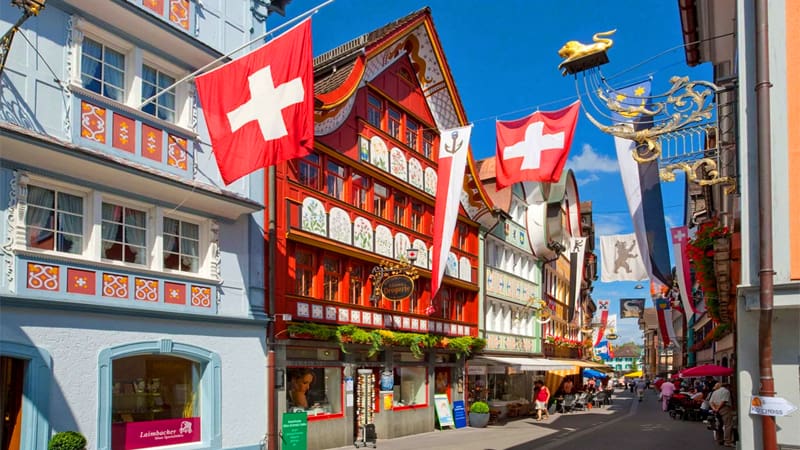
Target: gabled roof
{"points": [[339, 73]]}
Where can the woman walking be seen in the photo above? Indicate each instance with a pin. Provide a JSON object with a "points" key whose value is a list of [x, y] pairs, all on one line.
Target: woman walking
{"points": [[541, 400]]}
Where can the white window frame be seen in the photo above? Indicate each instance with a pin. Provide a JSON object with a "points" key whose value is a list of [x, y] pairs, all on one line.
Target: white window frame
{"points": [[149, 240], [135, 58], [204, 245]]}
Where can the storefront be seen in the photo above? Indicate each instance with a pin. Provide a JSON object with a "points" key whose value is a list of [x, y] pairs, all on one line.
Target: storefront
{"points": [[343, 391]]}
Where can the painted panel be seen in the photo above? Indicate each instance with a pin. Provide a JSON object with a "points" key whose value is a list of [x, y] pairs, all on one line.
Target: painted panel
{"points": [[176, 152], [415, 174], [464, 269], [430, 181], [157, 6], [93, 122], [201, 296], [43, 277], [152, 143], [379, 153], [340, 227], [313, 218], [383, 241], [452, 265], [124, 135], [81, 281], [399, 165], [174, 293], [179, 13], [362, 234], [115, 286], [401, 245], [422, 258], [145, 290]]}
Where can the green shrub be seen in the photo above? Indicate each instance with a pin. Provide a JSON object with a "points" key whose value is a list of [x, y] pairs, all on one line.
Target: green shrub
{"points": [[67, 440], [479, 408]]}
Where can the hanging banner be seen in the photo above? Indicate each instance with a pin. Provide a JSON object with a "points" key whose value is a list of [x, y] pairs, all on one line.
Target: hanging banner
{"points": [[621, 259], [680, 239], [577, 250], [631, 308], [602, 308]]}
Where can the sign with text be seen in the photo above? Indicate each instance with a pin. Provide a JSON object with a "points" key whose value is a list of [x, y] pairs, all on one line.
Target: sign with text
{"points": [[459, 414], [294, 434], [155, 433], [771, 406], [443, 410]]}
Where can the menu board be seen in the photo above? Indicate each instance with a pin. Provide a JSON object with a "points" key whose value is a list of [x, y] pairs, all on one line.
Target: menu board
{"points": [[443, 411]]}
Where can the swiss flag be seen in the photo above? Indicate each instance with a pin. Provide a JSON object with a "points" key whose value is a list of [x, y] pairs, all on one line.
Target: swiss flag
{"points": [[535, 147], [259, 108]]}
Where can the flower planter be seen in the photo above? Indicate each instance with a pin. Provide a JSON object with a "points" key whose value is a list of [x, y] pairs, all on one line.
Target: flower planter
{"points": [[478, 420]]}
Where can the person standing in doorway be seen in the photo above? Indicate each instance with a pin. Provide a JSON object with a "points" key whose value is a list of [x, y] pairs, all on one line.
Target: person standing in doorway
{"points": [[541, 400]]}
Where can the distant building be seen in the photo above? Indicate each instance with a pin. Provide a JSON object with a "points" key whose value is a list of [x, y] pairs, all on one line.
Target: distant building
{"points": [[624, 358]]}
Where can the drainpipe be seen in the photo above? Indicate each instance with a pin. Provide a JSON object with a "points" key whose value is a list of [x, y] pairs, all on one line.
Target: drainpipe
{"points": [[766, 273], [272, 411]]}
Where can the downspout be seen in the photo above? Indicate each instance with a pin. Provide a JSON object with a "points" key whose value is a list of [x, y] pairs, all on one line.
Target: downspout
{"points": [[272, 420], [766, 272]]}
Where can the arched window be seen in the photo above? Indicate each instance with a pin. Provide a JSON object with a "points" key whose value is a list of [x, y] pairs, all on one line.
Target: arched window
{"points": [[177, 385]]}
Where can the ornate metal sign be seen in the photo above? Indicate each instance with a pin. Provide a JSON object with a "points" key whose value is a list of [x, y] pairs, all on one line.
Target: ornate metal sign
{"points": [[397, 287], [393, 281]]}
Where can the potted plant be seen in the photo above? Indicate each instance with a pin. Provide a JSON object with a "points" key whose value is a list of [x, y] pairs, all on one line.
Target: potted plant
{"points": [[67, 440], [478, 414]]}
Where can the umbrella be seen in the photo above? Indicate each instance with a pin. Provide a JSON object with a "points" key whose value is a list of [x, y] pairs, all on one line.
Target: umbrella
{"points": [[591, 373], [636, 374], [706, 370]]}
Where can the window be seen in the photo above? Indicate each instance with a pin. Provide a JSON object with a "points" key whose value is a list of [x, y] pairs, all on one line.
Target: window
{"points": [[412, 130], [315, 390], [360, 188], [181, 245], [153, 82], [463, 234], [444, 299], [103, 70], [427, 144], [395, 117], [400, 204], [124, 234], [380, 198], [308, 171], [410, 386], [303, 272], [155, 387], [334, 180], [460, 301], [356, 296], [330, 283], [417, 216], [374, 110], [54, 220]]}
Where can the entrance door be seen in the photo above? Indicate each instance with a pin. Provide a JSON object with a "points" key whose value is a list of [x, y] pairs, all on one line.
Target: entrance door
{"points": [[12, 374]]}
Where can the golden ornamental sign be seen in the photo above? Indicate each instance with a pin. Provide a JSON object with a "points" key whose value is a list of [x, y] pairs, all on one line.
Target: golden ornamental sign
{"points": [[393, 281], [397, 287]]}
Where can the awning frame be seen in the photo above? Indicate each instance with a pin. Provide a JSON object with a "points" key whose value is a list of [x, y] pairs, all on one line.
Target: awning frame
{"points": [[524, 364]]}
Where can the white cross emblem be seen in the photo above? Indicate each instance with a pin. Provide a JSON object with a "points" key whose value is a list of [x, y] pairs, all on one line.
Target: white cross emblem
{"points": [[679, 235], [265, 104], [531, 148]]}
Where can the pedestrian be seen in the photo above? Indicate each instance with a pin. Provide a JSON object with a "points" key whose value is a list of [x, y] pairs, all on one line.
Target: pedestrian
{"points": [[541, 400], [720, 402], [667, 389], [641, 385]]}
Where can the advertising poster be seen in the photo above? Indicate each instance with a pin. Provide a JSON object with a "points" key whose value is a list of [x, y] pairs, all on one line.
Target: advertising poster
{"points": [[459, 414], [295, 431], [443, 411]]}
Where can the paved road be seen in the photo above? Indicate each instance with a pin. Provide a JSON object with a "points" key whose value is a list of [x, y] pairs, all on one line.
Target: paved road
{"points": [[625, 424]]}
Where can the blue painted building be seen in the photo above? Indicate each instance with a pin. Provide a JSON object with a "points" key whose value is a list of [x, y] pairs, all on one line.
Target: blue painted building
{"points": [[132, 285]]}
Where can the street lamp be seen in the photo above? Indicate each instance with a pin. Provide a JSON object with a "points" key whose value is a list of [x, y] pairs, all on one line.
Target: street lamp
{"points": [[412, 254]]}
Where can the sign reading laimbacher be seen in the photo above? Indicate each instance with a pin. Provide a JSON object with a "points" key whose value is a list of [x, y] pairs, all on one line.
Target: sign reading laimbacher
{"points": [[770, 406], [295, 431]]}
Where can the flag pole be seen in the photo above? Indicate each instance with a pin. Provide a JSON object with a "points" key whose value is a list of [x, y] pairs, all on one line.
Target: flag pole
{"points": [[309, 12]]}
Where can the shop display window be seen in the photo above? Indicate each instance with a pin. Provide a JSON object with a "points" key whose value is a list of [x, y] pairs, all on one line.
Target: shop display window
{"points": [[155, 396], [410, 386], [315, 390]]}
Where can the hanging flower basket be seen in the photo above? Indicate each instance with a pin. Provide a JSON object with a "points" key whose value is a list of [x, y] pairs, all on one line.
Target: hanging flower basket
{"points": [[701, 251]]}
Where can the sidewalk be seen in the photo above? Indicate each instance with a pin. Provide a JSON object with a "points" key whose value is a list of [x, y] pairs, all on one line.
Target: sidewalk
{"points": [[514, 433]]}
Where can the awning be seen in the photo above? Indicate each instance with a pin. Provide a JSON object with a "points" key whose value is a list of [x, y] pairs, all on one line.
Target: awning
{"points": [[584, 363], [525, 364]]}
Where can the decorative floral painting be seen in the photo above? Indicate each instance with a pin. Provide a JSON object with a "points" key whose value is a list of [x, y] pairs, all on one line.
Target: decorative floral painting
{"points": [[379, 153], [313, 217]]}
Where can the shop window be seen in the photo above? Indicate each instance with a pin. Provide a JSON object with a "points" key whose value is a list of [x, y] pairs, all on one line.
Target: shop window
{"points": [[427, 144], [400, 203], [309, 170], [412, 131], [316, 391], [334, 180], [380, 198], [54, 220], [374, 110], [395, 118], [410, 386], [303, 272], [417, 217], [181, 245], [158, 385], [360, 188], [332, 273], [124, 234]]}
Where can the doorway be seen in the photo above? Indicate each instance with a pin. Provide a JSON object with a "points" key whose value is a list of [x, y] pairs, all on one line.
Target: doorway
{"points": [[12, 376]]}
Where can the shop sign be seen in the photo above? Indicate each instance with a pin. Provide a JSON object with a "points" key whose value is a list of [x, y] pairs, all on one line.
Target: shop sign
{"points": [[443, 411], [459, 414], [294, 431], [397, 287], [157, 433], [771, 406], [611, 336]]}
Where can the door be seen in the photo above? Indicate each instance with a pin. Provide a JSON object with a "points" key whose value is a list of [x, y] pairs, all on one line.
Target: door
{"points": [[12, 375]]}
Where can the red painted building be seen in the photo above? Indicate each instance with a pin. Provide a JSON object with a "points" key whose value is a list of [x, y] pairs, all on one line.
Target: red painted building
{"points": [[347, 216]]}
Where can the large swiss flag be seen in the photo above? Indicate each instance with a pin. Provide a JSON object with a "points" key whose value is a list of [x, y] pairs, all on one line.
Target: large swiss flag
{"points": [[259, 108], [535, 148]]}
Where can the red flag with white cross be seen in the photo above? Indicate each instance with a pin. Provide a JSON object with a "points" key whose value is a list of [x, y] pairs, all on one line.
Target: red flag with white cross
{"points": [[535, 148], [259, 108]]}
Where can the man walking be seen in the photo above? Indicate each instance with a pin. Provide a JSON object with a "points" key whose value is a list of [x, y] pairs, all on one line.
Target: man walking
{"points": [[720, 402]]}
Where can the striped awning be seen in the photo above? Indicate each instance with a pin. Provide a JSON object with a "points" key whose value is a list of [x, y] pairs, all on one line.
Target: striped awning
{"points": [[524, 364]]}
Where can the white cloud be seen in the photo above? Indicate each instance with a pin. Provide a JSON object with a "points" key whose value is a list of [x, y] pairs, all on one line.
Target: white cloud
{"points": [[587, 179], [591, 161], [608, 224]]}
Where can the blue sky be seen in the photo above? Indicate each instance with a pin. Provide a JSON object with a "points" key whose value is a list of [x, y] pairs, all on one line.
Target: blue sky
{"points": [[503, 57]]}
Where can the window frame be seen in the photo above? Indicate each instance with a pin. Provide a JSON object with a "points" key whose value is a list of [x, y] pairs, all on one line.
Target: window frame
{"points": [[331, 277], [359, 191], [148, 211], [375, 109], [337, 387], [202, 233], [57, 188], [310, 272], [394, 125], [334, 180], [380, 202], [357, 284], [399, 208], [305, 163], [417, 216]]}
